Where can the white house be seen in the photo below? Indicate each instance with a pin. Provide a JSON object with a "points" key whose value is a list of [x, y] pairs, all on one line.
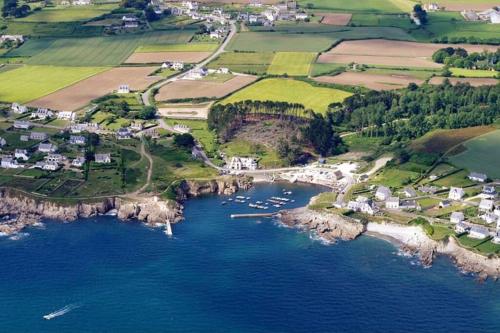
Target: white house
{"points": [[431, 7], [196, 74], [2, 142], [39, 136], [301, 16], [22, 124], [489, 218], [18, 108], [383, 193], [363, 205], [409, 204], [77, 140], [496, 239], [24, 138], [78, 162], [66, 115], [55, 158], [444, 203], [21, 154], [457, 217], [392, 203], [461, 227], [42, 114], [81, 2], [123, 133], [456, 193], [45, 165], [478, 177], [177, 65], [12, 38], [240, 163], [103, 158], [223, 70], [409, 192], [47, 148], [486, 205], [478, 232], [123, 89], [137, 126], [9, 163], [489, 191]]}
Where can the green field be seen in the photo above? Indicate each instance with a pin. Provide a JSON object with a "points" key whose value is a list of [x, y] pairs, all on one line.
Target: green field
{"points": [[268, 158], [68, 14], [307, 38], [382, 20], [95, 51], [244, 62], [189, 47], [473, 72], [369, 6], [27, 83], [482, 155], [291, 63], [292, 91]]}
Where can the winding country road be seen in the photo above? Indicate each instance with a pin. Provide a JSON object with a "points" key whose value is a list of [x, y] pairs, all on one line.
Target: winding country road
{"points": [[147, 94]]}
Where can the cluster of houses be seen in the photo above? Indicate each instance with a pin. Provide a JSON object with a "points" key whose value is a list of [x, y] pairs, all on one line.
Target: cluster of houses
{"points": [[13, 39], [285, 11], [173, 65], [491, 15], [242, 163], [42, 113], [385, 198], [193, 10]]}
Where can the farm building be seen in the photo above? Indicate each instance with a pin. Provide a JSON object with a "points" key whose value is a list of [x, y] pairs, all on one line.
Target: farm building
{"points": [[456, 193], [457, 217], [10, 163], [392, 203], [489, 218], [22, 124], [56, 158], [18, 108], [39, 136], [78, 162], [123, 89], [409, 192], [66, 115], [45, 165], [240, 163], [21, 154], [42, 114], [103, 158], [478, 177], [486, 205], [47, 148], [461, 227], [383, 193], [478, 232]]}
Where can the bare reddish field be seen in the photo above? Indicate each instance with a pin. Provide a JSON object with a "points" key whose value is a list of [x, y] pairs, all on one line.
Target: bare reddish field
{"points": [[473, 81], [80, 94], [391, 53], [458, 6], [202, 88], [335, 18], [160, 57], [371, 81], [440, 141]]}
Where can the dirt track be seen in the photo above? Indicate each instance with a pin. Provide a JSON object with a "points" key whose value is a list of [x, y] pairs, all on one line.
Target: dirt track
{"points": [[202, 88], [81, 93], [370, 81]]}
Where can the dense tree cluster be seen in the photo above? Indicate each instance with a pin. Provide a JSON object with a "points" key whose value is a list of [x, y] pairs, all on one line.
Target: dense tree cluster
{"points": [[416, 110], [470, 40], [137, 4], [459, 57], [420, 13], [227, 119], [12, 8]]}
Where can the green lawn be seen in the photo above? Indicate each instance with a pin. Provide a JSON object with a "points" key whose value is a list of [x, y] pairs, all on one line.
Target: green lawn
{"points": [[325, 69], [307, 38], [27, 83], [189, 47], [199, 129], [268, 158], [292, 91], [482, 154], [244, 62], [395, 177], [473, 72], [68, 14], [291, 63], [95, 51]]}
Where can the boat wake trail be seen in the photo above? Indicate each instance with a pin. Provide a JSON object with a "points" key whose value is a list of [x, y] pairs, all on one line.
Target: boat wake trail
{"points": [[61, 312]]}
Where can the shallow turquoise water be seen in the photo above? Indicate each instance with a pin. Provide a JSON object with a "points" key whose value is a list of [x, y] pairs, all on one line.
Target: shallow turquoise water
{"points": [[223, 275]]}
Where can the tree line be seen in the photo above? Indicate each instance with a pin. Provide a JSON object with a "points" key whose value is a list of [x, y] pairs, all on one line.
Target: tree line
{"points": [[459, 57], [414, 111]]}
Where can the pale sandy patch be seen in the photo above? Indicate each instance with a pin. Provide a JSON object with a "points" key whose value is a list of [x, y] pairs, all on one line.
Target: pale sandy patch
{"points": [[203, 88], [473, 81], [335, 18]]}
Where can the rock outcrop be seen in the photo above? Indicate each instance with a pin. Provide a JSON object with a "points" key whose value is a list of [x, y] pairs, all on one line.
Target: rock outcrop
{"points": [[225, 185], [329, 227], [30, 210]]}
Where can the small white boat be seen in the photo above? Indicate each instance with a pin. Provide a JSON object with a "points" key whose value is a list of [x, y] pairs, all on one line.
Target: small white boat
{"points": [[60, 312], [168, 229]]}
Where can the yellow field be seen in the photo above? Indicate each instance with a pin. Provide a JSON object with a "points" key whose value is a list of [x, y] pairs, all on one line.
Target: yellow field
{"points": [[291, 63]]}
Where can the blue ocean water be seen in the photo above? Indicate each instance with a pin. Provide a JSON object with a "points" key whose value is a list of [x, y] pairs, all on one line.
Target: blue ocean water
{"points": [[224, 275]]}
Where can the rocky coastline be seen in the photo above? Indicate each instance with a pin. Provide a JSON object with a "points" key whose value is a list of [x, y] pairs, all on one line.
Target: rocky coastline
{"points": [[411, 239], [22, 210]]}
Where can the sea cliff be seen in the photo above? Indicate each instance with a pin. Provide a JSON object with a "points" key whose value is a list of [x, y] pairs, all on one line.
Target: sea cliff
{"points": [[330, 227], [25, 210]]}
